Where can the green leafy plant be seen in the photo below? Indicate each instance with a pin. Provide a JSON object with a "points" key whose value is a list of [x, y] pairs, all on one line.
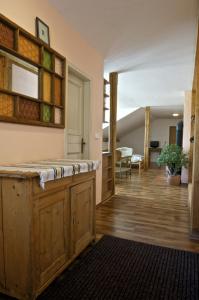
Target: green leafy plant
{"points": [[174, 158]]}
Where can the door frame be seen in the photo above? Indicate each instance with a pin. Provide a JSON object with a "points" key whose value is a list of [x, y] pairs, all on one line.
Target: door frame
{"points": [[87, 89]]}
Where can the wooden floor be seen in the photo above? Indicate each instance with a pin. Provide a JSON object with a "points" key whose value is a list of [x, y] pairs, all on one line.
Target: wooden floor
{"points": [[146, 209]]}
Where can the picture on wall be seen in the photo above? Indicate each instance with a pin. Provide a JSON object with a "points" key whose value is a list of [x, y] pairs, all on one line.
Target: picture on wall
{"points": [[42, 31]]}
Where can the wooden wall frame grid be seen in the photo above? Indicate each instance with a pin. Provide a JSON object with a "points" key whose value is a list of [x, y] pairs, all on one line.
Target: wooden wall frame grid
{"points": [[42, 46]]}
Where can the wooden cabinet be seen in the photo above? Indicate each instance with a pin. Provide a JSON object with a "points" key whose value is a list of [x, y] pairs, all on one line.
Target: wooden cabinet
{"points": [[107, 176], [42, 231]]}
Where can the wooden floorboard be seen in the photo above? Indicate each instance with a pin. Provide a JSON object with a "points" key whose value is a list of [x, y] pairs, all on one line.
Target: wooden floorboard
{"points": [[147, 209]]}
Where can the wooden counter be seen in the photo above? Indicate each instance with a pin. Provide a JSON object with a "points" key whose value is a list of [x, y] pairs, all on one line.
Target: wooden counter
{"points": [[42, 231]]}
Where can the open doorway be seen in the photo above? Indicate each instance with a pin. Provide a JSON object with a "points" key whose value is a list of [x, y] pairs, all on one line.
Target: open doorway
{"points": [[162, 130], [77, 116], [144, 204]]}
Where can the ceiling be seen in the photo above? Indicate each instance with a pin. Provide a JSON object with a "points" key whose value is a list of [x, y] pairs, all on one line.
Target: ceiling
{"points": [[151, 43], [166, 112]]}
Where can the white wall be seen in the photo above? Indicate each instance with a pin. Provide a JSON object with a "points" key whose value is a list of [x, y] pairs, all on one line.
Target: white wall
{"points": [[159, 132], [133, 139]]}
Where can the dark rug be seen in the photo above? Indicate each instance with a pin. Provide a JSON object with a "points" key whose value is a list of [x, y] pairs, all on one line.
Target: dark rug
{"points": [[121, 269]]}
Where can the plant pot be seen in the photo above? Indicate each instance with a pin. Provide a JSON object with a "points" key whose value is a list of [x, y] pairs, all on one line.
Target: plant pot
{"points": [[174, 179]]}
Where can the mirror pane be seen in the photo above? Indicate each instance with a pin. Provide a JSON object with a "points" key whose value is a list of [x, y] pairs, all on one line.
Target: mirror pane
{"points": [[24, 82], [18, 76]]}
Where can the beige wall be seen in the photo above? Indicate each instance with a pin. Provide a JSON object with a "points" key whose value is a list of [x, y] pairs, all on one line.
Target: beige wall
{"points": [[186, 131], [19, 143]]}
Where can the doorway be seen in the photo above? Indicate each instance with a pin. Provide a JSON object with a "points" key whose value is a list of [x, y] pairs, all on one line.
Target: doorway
{"points": [[77, 116], [172, 135]]}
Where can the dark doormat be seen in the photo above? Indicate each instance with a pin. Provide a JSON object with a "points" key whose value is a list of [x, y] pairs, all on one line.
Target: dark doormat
{"points": [[121, 269]]}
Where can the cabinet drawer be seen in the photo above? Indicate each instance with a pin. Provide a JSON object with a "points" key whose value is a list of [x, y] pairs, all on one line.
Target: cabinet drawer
{"points": [[50, 185]]}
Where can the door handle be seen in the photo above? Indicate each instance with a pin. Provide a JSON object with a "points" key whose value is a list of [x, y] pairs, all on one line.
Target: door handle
{"points": [[82, 145]]}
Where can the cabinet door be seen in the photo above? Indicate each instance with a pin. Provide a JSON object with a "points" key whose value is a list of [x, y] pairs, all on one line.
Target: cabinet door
{"points": [[2, 262], [82, 206], [51, 235]]}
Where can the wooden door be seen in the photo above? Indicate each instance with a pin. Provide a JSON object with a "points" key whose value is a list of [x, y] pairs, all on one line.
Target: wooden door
{"points": [[75, 118], [172, 135], [82, 216], [2, 266], [51, 235]]}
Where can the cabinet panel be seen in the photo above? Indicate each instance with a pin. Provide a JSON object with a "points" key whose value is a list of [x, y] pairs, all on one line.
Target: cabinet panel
{"points": [[49, 186], [107, 175], [82, 215], [16, 230], [52, 230]]}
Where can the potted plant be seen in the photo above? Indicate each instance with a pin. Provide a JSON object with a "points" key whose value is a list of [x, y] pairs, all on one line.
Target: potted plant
{"points": [[174, 158]]}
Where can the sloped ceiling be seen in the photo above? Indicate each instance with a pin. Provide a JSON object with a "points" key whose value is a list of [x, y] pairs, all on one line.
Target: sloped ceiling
{"points": [[151, 43], [128, 123], [136, 119]]}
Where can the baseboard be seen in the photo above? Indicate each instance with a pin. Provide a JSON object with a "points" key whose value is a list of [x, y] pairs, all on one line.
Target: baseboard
{"points": [[103, 201]]}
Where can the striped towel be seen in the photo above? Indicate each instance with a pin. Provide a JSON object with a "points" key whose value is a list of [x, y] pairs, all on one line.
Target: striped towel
{"points": [[54, 169]]}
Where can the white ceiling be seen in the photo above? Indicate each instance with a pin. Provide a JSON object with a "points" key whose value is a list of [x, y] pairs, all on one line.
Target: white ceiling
{"points": [[151, 43], [166, 112]]}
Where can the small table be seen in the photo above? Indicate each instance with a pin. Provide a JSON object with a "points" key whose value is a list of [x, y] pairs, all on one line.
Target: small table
{"points": [[153, 149]]}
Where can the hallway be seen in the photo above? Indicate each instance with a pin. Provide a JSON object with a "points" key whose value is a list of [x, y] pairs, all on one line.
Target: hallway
{"points": [[146, 209]]}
